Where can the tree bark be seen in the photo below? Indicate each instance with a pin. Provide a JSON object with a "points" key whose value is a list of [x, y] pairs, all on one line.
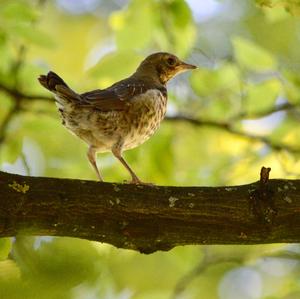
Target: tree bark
{"points": [[150, 218]]}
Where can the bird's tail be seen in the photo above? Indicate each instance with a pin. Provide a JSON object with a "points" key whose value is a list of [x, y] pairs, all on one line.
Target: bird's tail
{"points": [[51, 81], [64, 95]]}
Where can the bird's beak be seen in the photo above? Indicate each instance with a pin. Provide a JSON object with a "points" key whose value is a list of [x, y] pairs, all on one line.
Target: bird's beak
{"points": [[187, 66]]}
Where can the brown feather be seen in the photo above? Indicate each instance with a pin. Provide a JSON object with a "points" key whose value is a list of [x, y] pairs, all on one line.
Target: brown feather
{"points": [[118, 96]]}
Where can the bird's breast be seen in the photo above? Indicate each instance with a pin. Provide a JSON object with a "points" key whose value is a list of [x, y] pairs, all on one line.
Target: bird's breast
{"points": [[144, 116]]}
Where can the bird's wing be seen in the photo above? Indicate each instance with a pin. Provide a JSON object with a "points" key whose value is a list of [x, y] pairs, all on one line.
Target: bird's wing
{"points": [[116, 97]]}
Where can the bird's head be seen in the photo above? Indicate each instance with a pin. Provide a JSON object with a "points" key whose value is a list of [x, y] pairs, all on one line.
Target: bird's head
{"points": [[162, 66]]}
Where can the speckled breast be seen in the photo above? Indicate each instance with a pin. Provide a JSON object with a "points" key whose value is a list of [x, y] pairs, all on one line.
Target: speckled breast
{"points": [[144, 116]]}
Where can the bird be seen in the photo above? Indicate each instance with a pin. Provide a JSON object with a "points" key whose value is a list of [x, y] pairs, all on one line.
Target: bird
{"points": [[122, 116]]}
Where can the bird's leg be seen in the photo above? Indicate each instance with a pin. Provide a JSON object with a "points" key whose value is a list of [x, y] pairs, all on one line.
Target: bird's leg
{"points": [[92, 158], [117, 152]]}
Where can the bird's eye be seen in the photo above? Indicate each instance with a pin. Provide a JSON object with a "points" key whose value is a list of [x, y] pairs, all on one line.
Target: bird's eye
{"points": [[171, 61]]}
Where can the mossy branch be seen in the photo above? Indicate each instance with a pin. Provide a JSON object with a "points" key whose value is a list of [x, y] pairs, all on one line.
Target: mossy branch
{"points": [[150, 218]]}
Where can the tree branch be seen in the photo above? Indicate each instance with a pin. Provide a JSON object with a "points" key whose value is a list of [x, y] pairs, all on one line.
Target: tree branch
{"points": [[15, 93], [259, 114], [230, 129], [149, 218]]}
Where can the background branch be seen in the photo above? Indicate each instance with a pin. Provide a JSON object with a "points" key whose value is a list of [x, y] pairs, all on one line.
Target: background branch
{"points": [[207, 261], [16, 93], [229, 128]]}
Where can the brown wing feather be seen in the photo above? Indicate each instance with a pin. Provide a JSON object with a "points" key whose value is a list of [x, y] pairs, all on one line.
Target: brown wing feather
{"points": [[116, 97]]}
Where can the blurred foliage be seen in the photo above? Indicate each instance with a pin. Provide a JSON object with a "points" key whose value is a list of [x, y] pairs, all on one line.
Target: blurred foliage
{"points": [[246, 90], [291, 6]]}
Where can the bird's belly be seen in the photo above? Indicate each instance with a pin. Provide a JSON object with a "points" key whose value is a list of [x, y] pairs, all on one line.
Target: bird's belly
{"points": [[142, 133], [96, 128]]}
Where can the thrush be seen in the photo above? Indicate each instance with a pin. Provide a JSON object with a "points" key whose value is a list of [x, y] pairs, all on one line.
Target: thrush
{"points": [[122, 116]]}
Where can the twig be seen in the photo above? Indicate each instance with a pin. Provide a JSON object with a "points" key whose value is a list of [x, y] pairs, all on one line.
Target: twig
{"points": [[17, 65], [262, 203], [15, 93], [260, 114]]}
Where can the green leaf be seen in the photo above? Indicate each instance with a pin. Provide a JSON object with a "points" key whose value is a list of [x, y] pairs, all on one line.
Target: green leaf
{"points": [[219, 91], [287, 133], [115, 66], [261, 97], [6, 105], [292, 86], [5, 61], [140, 26], [11, 151], [207, 82], [12, 147], [18, 11], [252, 56], [5, 248], [72, 265], [291, 6], [31, 34], [177, 22], [134, 26]]}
